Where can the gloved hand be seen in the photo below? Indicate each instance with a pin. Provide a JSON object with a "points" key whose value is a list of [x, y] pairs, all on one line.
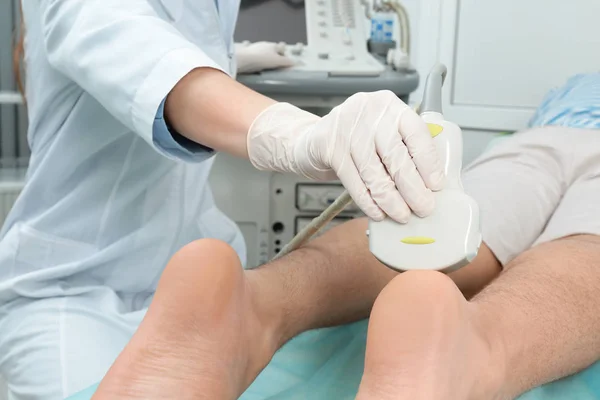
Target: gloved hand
{"points": [[377, 146], [260, 56]]}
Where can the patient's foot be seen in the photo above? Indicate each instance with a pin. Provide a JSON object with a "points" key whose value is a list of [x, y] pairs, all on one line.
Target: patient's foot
{"points": [[426, 342], [207, 334]]}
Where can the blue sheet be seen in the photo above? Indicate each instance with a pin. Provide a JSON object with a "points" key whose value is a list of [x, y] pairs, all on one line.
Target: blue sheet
{"points": [[324, 364], [327, 364]]}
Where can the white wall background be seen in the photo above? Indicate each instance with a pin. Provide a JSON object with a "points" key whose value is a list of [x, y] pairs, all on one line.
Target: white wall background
{"points": [[503, 56]]}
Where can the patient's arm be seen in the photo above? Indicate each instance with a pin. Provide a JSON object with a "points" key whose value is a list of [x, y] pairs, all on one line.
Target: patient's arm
{"points": [[212, 327]]}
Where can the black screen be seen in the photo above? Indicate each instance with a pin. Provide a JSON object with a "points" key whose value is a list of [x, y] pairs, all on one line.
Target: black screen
{"points": [[272, 20]]}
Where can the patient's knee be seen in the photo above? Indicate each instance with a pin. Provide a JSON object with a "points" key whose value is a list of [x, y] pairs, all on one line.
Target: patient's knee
{"points": [[422, 282], [207, 250], [203, 256], [430, 288]]}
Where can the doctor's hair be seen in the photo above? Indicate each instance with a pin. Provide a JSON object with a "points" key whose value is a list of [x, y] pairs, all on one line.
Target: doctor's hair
{"points": [[19, 52]]}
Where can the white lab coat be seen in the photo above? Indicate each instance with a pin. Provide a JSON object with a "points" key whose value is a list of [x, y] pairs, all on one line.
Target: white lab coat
{"points": [[106, 203]]}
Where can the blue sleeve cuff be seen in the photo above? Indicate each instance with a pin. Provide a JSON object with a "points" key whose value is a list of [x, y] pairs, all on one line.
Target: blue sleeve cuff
{"points": [[174, 145]]}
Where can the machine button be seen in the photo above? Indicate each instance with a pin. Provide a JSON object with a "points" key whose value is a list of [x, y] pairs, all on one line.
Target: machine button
{"points": [[323, 34], [350, 57], [435, 129], [322, 24], [417, 240], [328, 198], [324, 56], [321, 13]]}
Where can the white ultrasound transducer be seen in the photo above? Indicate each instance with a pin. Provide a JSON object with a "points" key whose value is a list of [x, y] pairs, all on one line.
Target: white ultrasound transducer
{"points": [[450, 237]]}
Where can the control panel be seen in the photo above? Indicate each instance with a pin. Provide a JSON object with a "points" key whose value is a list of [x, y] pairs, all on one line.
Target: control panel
{"points": [[270, 207], [295, 202], [337, 40], [316, 197]]}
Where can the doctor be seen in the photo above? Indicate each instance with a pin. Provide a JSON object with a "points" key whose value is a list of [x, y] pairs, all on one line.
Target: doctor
{"points": [[128, 101]]}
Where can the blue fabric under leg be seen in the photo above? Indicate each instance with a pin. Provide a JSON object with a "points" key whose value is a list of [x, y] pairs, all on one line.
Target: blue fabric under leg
{"points": [[327, 365]]}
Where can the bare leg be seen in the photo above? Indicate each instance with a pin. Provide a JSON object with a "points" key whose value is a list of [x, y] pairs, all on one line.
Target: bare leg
{"points": [[536, 323], [212, 327], [204, 324]]}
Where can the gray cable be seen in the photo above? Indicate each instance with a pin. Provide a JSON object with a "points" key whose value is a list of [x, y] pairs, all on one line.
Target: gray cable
{"points": [[432, 100], [316, 224]]}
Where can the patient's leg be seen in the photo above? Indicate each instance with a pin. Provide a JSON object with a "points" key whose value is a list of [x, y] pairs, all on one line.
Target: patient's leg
{"points": [[537, 322], [212, 327], [202, 337]]}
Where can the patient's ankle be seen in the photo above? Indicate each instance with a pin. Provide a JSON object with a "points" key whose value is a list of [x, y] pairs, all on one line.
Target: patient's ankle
{"points": [[274, 306]]}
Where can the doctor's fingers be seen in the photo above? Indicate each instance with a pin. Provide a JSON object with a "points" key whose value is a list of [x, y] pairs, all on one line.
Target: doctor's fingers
{"points": [[280, 48], [420, 145], [401, 167], [378, 182], [377, 125], [280, 61], [352, 181]]}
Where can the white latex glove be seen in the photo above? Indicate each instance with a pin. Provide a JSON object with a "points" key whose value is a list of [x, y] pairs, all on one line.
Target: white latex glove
{"points": [[260, 56], [377, 146]]}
